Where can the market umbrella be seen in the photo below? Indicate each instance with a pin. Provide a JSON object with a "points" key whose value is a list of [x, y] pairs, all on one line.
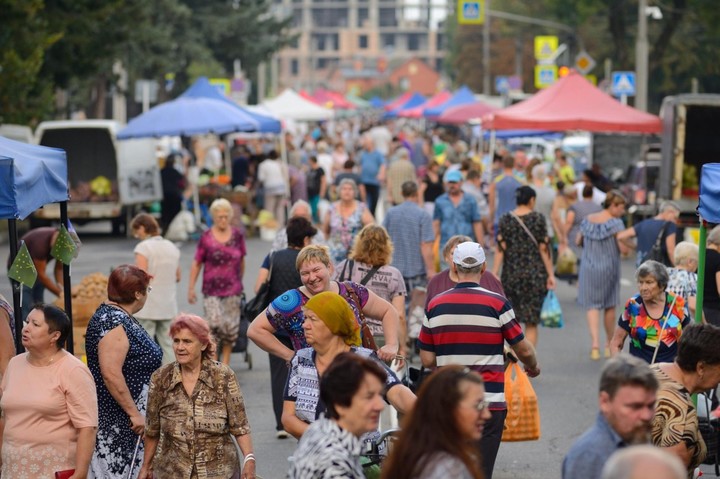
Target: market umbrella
{"points": [[203, 89], [187, 116], [462, 96], [465, 113]]}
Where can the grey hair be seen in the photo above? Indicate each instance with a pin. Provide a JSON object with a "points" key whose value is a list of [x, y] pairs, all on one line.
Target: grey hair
{"points": [[221, 204], [686, 251], [539, 171], [297, 205], [714, 236], [464, 270], [348, 181], [669, 205], [626, 370], [654, 269], [402, 153], [625, 462]]}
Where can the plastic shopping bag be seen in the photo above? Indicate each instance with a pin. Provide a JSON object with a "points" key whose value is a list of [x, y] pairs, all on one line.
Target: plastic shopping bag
{"points": [[523, 414], [551, 312], [566, 264]]}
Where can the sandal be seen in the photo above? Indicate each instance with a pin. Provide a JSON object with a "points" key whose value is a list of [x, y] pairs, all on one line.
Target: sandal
{"points": [[595, 354]]}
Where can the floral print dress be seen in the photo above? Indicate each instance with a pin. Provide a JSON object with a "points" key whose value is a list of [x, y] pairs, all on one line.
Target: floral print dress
{"points": [[523, 277], [343, 230]]}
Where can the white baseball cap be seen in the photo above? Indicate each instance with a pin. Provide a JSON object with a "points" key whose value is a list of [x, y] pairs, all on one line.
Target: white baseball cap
{"points": [[469, 254]]}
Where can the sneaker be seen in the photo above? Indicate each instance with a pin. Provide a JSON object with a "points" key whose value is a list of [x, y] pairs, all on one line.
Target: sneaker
{"points": [[282, 434]]}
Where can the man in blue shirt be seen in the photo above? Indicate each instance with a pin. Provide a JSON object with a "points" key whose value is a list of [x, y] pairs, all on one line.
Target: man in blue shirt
{"points": [[372, 172], [628, 390], [456, 213], [648, 231]]}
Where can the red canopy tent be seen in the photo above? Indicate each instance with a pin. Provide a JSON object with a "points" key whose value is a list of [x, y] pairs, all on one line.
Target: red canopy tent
{"points": [[572, 103], [332, 99], [465, 113], [436, 100], [399, 101]]}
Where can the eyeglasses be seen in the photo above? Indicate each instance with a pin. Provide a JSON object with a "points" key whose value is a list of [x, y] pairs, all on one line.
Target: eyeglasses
{"points": [[482, 405]]}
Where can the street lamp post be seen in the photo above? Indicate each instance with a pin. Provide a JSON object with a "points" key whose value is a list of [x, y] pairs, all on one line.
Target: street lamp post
{"points": [[641, 58]]}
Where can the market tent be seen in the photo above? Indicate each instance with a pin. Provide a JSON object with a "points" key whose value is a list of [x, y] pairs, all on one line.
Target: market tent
{"points": [[573, 103], [506, 134], [377, 102], [462, 96], [437, 99], [290, 105], [187, 116], [415, 100], [31, 176], [358, 102], [332, 99], [399, 101], [203, 89], [465, 113]]}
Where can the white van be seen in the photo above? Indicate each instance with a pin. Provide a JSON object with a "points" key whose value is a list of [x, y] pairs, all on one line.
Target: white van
{"points": [[107, 178]]}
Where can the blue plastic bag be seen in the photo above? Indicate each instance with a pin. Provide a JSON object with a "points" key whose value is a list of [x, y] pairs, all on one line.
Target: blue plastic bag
{"points": [[551, 312]]}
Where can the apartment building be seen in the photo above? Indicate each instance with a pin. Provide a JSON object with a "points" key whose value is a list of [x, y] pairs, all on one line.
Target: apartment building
{"points": [[368, 37]]}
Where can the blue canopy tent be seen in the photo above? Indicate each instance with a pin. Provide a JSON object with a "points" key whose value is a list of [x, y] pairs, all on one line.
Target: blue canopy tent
{"points": [[414, 101], [709, 211], [187, 116], [377, 102], [32, 176], [462, 96], [203, 89]]}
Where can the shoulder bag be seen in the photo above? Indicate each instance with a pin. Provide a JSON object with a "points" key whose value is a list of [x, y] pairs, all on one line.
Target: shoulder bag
{"points": [[261, 300], [526, 229], [658, 252], [367, 338]]}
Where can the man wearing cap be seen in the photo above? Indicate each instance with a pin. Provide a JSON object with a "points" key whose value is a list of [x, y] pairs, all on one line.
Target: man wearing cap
{"points": [[455, 212], [469, 325]]}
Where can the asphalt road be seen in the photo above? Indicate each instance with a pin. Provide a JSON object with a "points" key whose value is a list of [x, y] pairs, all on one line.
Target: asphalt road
{"points": [[566, 389]]}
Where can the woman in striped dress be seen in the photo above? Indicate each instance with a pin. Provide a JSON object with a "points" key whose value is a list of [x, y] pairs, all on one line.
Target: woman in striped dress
{"points": [[600, 273]]}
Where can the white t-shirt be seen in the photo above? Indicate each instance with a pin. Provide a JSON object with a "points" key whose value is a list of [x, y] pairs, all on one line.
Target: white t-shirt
{"points": [[272, 176], [326, 163], [213, 159], [163, 260]]}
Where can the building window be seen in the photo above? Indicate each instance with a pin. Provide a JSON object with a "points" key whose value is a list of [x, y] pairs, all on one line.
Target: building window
{"points": [[388, 40], [362, 41], [330, 17], [321, 63], [413, 42], [363, 15], [319, 41], [294, 67], [440, 41], [438, 64], [388, 17]]}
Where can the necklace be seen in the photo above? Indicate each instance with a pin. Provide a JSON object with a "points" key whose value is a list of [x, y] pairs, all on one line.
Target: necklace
{"points": [[48, 363]]}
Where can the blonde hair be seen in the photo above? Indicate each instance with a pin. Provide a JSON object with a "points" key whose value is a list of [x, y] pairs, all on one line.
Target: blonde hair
{"points": [[685, 251], [313, 252], [221, 204], [372, 246], [452, 243]]}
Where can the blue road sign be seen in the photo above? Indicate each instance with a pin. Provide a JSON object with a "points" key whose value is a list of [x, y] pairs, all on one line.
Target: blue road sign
{"points": [[502, 84], [623, 83]]}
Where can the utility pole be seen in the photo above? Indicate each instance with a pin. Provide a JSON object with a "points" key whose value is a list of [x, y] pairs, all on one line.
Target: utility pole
{"points": [[486, 50], [641, 58]]}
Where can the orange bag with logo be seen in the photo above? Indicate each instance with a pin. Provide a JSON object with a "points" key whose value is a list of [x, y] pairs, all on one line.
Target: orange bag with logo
{"points": [[523, 418]]}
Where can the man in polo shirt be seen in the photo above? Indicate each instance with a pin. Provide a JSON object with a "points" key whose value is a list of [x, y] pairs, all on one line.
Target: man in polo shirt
{"points": [[628, 390], [469, 325]]}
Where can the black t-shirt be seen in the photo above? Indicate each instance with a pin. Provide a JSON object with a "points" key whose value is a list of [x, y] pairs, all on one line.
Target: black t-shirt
{"points": [[712, 266], [314, 181]]}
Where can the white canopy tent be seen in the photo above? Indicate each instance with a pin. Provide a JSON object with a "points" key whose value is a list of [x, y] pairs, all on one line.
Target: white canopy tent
{"points": [[289, 105]]}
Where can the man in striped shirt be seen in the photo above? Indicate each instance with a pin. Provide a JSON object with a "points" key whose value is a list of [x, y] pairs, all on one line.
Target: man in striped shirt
{"points": [[469, 325]]}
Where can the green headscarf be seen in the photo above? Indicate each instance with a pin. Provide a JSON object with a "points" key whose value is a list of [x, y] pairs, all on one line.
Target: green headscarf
{"points": [[337, 315]]}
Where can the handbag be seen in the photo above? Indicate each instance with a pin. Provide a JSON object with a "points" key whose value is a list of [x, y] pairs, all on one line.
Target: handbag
{"points": [[261, 300], [657, 252], [551, 312], [566, 264], [523, 415], [66, 474], [709, 428], [367, 337]]}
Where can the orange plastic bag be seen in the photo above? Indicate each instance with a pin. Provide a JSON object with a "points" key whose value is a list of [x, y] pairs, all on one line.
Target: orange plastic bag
{"points": [[523, 418]]}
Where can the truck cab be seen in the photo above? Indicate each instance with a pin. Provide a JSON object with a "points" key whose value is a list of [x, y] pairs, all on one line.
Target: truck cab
{"points": [[107, 178]]}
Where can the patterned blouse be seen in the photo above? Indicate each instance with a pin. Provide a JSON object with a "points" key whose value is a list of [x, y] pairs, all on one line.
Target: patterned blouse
{"points": [[644, 330], [326, 451], [682, 282], [676, 419], [221, 275], [285, 312], [343, 230], [196, 429]]}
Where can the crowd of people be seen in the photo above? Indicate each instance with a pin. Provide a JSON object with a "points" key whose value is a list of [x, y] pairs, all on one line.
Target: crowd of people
{"points": [[374, 221]]}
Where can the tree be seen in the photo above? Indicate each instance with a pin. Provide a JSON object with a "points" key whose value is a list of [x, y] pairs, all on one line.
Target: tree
{"points": [[25, 96]]}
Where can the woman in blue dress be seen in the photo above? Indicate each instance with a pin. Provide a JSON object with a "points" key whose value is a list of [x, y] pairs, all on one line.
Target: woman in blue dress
{"points": [[121, 357], [599, 284]]}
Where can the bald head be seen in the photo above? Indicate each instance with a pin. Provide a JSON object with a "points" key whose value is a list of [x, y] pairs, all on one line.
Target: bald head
{"points": [[643, 462]]}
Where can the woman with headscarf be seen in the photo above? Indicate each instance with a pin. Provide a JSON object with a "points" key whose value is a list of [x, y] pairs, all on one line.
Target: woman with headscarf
{"points": [[330, 329]]}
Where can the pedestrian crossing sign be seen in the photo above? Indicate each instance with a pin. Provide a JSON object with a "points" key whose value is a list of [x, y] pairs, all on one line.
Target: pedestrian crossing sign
{"points": [[545, 75], [471, 12], [623, 83], [545, 47]]}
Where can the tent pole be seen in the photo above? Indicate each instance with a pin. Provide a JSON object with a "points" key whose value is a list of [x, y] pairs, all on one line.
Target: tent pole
{"points": [[67, 286], [700, 295], [16, 287]]}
